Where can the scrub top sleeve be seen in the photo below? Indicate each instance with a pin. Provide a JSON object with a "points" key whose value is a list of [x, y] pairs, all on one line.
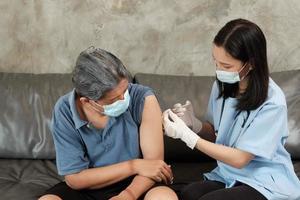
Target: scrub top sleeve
{"points": [[70, 153], [138, 93], [265, 132], [211, 103]]}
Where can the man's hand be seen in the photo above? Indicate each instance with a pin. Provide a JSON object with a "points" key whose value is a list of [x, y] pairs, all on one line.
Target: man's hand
{"points": [[157, 170]]}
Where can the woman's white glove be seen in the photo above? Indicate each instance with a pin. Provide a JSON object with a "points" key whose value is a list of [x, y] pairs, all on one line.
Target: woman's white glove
{"points": [[176, 128], [186, 113]]}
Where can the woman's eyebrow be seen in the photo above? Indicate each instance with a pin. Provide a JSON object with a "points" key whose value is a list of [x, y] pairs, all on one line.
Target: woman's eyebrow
{"points": [[226, 64]]}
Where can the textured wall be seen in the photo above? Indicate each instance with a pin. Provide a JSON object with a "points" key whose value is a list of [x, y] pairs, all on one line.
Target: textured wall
{"points": [[158, 36]]}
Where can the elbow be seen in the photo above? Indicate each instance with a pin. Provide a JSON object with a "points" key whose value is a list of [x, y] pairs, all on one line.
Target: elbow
{"points": [[74, 182], [240, 163], [242, 160]]}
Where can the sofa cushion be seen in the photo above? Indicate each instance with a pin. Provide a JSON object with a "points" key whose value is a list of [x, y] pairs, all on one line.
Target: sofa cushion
{"points": [[26, 105], [296, 165], [186, 172], [26, 179], [289, 82]]}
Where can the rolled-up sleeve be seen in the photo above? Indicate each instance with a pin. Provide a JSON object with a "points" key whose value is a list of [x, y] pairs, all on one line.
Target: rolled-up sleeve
{"points": [[138, 93]]}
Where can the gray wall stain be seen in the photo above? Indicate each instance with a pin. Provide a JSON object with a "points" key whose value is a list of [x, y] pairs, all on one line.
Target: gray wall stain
{"points": [[124, 7], [162, 37]]}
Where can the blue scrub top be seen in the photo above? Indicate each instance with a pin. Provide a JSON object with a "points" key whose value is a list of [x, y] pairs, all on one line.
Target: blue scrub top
{"points": [[79, 146], [262, 133]]}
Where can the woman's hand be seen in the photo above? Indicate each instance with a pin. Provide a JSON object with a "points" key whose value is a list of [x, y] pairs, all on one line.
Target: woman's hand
{"points": [[186, 113], [176, 128], [157, 170]]}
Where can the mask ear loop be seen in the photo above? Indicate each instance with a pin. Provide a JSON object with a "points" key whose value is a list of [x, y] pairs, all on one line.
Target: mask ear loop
{"points": [[96, 106], [242, 71]]}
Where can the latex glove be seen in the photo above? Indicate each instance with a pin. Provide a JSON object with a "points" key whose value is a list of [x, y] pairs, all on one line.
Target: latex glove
{"points": [[176, 128], [186, 113]]}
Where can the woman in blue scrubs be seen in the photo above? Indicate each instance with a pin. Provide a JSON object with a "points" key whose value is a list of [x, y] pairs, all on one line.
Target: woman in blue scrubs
{"points": [[246, 124]]}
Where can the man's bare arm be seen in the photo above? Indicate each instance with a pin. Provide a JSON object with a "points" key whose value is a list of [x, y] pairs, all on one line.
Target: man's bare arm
{"points": [[152, 146]]}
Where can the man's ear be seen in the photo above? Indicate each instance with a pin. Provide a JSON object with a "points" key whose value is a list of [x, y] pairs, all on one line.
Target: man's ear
{"points": [[83, 100]]}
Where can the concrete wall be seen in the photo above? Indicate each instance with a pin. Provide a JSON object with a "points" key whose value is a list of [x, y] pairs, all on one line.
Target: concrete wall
{"points": [[154, 36]]}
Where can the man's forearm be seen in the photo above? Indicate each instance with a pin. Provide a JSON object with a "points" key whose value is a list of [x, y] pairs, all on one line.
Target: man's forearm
{"points": [[100, 177]]}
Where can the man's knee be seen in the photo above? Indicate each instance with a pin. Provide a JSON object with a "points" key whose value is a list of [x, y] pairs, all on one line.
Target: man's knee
{"points": [[161, 193], [49, 197]]}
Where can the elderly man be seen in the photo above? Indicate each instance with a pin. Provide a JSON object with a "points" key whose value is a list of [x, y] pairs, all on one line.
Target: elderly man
{"points": [[108, 135]]}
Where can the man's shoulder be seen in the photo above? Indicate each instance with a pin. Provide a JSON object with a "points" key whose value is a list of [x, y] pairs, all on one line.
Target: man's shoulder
{"points": [[136, 86], [62, 105], [138, 89], [62, 116]]}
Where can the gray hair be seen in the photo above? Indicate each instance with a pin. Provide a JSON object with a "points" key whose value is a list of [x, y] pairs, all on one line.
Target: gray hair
{"points": [[96, 72]]}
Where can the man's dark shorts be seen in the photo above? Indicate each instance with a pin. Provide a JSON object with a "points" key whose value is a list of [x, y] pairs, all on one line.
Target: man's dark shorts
{"points": [[65, 192]]}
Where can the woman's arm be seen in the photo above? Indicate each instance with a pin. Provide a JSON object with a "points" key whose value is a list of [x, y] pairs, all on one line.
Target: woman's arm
{"points": [[231, 156], [176, 128]]}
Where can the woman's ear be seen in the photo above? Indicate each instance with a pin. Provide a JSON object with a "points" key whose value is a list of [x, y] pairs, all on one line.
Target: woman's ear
{"points": [[251, 64]]}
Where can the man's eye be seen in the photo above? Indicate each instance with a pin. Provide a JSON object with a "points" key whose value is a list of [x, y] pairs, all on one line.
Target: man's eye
{"points": [[110, 102]]}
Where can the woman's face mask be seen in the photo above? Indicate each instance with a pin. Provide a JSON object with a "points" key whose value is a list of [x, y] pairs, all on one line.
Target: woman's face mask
{"points": [[117, 108], [232, 77]]}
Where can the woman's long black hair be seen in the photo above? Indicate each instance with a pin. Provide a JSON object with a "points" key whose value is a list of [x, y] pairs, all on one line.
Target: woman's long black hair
{"points": [[245, 41]]}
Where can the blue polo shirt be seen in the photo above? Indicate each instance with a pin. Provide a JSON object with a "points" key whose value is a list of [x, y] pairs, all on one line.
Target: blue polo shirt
{"points": [[79, 146]]}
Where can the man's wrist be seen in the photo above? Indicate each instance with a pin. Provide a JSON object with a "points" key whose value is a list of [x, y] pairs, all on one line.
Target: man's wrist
{"points": [[130, 193], [133, 166]]}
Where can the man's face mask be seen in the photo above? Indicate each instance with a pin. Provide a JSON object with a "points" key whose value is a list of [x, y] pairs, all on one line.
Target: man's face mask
{"points": [[232, 77], [118, 107]]}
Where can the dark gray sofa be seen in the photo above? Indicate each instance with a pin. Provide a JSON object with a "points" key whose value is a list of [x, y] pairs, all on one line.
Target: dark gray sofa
{"points": [[27, 154]]}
